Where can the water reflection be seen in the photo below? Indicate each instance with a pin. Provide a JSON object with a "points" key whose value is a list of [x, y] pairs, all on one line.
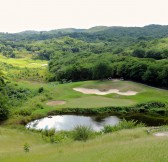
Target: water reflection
{"points": [[69, 122]]}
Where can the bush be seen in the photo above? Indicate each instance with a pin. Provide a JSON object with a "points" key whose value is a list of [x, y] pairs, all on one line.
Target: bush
{"points": [[48, 135], [49, 132], [82, 133], [26, 147], [24, 112], [40, 90], [108, 129], [152, 105], [4, 111], [61, 136]]}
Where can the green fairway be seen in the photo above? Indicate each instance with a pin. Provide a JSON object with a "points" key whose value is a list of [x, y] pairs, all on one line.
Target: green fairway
{"points": [[127, 145], [24, 62], [76, 99], [97, 101], [23, 68]]}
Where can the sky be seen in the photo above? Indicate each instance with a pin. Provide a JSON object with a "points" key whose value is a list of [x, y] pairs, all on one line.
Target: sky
{"points": [[40, 15]]}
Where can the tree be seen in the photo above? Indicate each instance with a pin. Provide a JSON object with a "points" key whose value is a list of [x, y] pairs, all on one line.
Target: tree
{"points": [[139, 53], [4, 111], [164, 75], [151, 75], [101, 70]]}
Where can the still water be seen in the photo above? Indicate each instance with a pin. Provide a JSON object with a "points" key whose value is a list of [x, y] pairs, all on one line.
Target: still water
{"points": [[69, 122]]}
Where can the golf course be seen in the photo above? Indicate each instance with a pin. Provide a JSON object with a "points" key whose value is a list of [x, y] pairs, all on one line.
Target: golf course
{"points": [[70, 96]]}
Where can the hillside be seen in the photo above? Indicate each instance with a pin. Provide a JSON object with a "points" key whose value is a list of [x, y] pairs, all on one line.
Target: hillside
{"points": [[99, 74], [99, 33]]}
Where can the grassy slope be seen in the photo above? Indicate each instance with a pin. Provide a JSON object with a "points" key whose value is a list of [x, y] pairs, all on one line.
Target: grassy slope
{"points": [[126, 145]]}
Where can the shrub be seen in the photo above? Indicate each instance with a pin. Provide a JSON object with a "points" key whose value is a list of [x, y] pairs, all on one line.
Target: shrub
{"points": [[26, 147], [82, 133], [39, 106], [152, 105], [61, 136], [40, 90], [49, 132], [108, 129], [4, 111], [25, 112], [48, 135]]}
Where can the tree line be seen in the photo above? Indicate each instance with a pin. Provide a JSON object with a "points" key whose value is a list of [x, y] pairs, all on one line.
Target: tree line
{"points": [[147, 71]]}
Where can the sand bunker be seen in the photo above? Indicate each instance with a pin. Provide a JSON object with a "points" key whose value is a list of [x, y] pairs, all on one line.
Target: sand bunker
{"points": [[98, 92], [53, 103], [161, 134]]}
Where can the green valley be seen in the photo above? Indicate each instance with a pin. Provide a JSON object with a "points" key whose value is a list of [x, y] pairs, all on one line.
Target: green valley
{"points": [[97, 72]]}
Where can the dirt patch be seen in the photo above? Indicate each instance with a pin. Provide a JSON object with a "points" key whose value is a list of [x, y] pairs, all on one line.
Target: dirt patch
{"points": [[53, 103], [161, 134], [98, 92]]}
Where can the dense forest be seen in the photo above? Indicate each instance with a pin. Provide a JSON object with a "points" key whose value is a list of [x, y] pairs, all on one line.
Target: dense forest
{"points": [[132, 53]]}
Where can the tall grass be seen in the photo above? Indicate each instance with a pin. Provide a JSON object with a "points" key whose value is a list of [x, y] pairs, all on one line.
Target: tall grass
{"points": [[124, 124], [82, 133], [129, 145]]}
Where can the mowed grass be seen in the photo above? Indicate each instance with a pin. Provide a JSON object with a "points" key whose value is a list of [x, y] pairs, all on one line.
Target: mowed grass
{"points": [[24, 62], [133, 145], [74, 99], [97, 101], [145, 93]]}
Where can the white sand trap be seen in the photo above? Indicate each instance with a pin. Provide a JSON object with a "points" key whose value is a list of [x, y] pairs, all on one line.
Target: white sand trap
{"points": [[98, 92], [53, 103], [161, 134]]}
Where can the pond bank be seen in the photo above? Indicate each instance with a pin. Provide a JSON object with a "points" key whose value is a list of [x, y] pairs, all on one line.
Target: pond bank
{"points": [[151, 113]]}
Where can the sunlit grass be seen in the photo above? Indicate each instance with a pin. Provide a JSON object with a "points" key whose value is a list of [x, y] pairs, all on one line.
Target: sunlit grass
{"points": [[24, 62], [133, 145]]}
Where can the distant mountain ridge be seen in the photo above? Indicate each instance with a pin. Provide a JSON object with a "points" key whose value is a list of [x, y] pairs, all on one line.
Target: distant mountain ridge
{"points": [[103, 33]]}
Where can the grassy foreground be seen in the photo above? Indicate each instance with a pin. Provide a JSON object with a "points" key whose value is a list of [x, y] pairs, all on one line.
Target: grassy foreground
{"points": [[133, 145]]}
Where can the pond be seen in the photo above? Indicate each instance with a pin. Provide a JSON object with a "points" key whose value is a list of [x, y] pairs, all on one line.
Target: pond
{"points": [[69, 122]]}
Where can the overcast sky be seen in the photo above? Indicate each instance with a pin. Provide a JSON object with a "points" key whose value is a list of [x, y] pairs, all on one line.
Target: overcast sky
{"points": [[20, 15]]}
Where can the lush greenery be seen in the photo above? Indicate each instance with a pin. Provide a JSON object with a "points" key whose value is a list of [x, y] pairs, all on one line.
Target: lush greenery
{"points": [[11, 95], [97, 53], [142, 70], [39, 67]]}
